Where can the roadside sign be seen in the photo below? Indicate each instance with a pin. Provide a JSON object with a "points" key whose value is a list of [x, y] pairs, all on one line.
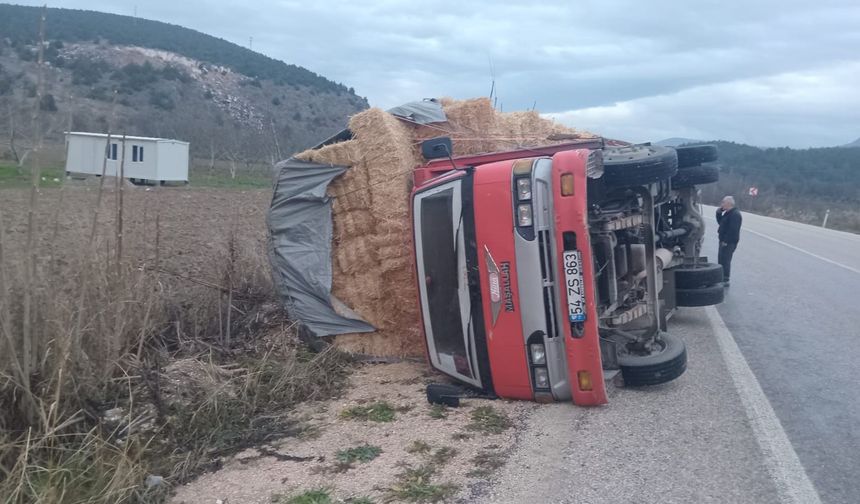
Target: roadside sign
{"points": [[753, 191]]}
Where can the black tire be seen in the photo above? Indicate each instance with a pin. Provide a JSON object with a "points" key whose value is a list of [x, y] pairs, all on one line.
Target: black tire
{"points": [[703, 296], [657, 368], [696, 276], [697, 175], [694, 155], [636, 165]]}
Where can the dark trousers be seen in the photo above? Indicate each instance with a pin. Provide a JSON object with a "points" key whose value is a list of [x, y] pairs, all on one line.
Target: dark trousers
{"points": [[724, 257]]}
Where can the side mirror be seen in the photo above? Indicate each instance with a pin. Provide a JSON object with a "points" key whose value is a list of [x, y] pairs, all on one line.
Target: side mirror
{"points": [[435, 148], [442, 393]]}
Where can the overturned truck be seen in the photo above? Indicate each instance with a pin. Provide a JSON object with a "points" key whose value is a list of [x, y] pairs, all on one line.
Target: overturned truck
{"points": [[525, 272]]}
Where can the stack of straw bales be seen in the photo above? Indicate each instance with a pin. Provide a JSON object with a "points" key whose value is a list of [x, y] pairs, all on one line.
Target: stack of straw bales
{"points": [[372, 251]]}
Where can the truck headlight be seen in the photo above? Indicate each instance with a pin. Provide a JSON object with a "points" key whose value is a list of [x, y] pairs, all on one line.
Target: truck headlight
{"points": [[524, 215], [538, 353], [541, 378], [524, 189]]}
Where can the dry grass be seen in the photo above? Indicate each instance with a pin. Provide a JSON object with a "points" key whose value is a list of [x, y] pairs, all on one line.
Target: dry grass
{"points": [[150, 347]]}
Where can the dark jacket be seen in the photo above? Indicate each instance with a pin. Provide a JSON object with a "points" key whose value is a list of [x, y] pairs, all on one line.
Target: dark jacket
{"points": [[730, 225]]}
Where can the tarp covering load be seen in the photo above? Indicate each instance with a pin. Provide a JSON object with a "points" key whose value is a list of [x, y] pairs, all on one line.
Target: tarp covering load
{"points": [[369, 263]]}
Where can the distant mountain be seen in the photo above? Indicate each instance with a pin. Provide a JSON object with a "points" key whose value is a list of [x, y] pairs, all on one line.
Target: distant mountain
{"points": [[854, 144], [830, 173], [157, 79], [676, 141]]}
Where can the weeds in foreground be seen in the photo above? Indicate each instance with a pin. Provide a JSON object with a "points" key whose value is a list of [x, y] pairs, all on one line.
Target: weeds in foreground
{"points": [[419, 447], [105, 329], [486, 462], [359, 500], [442, 456], [363, 453], [317, 496], [415, 484], [251, 407], [438, 411], [488, 420], [380, 411]]}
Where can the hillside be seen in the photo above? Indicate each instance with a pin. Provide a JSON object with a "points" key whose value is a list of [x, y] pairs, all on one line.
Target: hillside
{"points": [[794, 183], [676, 141], [156, 79]]}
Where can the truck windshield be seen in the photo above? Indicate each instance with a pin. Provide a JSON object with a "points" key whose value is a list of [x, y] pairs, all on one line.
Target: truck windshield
{"points": [[441, 262]]}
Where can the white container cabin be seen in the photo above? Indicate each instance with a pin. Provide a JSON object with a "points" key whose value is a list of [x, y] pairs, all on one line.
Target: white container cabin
{"points": [[147, 160]]}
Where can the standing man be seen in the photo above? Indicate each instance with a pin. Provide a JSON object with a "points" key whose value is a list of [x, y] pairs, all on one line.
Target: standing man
{"points": [[729, 219]]}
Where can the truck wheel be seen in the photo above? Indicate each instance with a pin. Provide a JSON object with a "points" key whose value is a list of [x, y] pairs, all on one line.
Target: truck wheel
{"points": [[695, 276], [662, 366], [696, 175], [704, 296], [694, 155], [636, 165]]}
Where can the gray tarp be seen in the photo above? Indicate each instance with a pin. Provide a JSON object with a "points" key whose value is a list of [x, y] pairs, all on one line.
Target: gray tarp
{"points": [[425, 111], [300, 233]]}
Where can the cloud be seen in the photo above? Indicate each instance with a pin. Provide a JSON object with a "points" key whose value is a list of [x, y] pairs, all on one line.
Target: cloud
{"points": [[800, 109], [584, 55]]}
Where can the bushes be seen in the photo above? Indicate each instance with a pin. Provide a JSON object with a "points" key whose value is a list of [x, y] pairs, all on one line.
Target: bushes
{"points": [[111, 368], [161, 100], [86, 72], [48, 104]]}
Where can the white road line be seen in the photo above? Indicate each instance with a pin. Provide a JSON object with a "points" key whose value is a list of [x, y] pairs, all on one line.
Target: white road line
{"points": [[792, 482], [771, 238]]}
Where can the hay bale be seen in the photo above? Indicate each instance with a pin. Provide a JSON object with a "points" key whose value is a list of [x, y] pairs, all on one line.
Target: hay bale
{"points": [[372, 262]]}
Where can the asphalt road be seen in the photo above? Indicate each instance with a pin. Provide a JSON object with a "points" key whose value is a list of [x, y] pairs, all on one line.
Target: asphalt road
{"points": [[687, 441], [767, 412], [793, 311]]}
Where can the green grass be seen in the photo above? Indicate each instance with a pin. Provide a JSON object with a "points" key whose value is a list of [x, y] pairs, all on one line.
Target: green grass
{"points": [[242, 181], [11, 179], [318, 496], [489, 421], [438, 411], [380, 411], [363, 453], [416, 485]]}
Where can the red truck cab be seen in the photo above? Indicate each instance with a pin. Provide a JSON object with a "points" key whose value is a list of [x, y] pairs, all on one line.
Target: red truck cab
{"points": [[536, 271]]}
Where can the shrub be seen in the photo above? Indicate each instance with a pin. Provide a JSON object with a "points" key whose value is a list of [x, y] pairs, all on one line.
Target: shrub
{"points": [[48, 103], [161, 100]]}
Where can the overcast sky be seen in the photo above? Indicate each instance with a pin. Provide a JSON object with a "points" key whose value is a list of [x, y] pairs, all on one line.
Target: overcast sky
{"points": [[769, 73]]}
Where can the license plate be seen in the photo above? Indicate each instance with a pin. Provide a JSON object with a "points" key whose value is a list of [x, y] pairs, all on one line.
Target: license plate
{"points": [[575, 286]]}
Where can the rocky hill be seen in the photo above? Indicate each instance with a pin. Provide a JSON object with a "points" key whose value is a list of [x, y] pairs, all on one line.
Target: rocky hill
{"points": [[150, 78]]}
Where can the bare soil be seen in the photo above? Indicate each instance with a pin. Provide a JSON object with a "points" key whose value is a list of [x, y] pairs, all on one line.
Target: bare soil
{"points": [[295, 465], [193, 225]]}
